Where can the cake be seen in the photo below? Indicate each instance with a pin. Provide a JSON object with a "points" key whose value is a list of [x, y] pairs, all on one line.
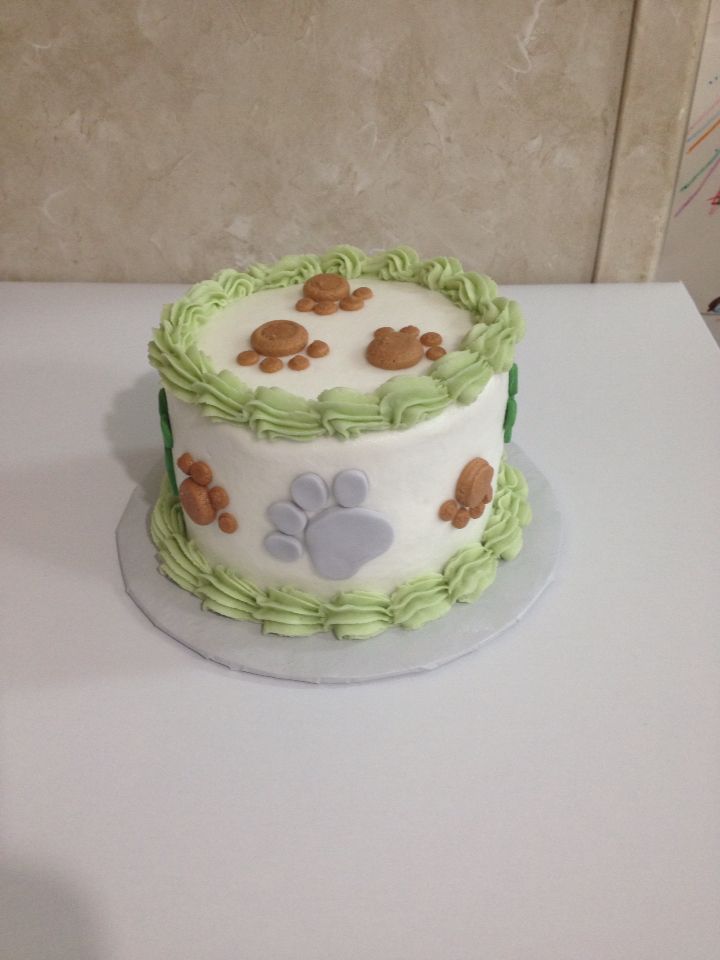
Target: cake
{"points": [[334, 430]]}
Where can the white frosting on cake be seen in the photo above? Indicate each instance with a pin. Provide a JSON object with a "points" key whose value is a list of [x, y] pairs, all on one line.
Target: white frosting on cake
{"points": [[410, 472], [348, 334]]}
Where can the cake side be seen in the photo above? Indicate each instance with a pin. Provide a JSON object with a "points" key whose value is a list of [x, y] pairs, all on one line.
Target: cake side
{"points": [[352, 614], [407, 478]]}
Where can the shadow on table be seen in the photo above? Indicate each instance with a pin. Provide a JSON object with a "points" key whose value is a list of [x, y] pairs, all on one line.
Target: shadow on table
{"points": [[64, 513], [44, 916], [132, 426]]}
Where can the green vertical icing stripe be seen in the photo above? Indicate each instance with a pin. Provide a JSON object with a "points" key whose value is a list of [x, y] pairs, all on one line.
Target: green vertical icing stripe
{"points": [[167, 436], [495, 326], [511, 408], [353, 614]]}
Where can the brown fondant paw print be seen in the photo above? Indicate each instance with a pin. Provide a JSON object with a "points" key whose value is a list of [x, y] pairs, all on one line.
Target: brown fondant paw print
{"points": [[399, 349], [199, 500], [325, 292], [281, 338], [473, 491]]}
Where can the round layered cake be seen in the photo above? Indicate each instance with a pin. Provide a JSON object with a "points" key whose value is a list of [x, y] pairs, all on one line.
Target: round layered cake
{"points": [[334, 430]]}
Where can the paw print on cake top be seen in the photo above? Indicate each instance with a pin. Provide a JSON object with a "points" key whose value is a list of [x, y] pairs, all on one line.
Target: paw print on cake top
{"points": [[199, 500], [325, 292], [399, 349], [473, 492], [281, 338], [339, 539]]}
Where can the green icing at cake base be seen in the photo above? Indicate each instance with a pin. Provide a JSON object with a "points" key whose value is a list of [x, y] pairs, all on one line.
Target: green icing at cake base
{"points": [[353, 614]]}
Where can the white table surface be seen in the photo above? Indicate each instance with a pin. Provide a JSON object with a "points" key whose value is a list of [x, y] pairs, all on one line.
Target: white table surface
{"points": [[554, 796]]}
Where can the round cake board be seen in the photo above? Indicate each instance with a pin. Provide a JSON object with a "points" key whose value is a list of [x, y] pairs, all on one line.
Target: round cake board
{"points": [[322, 658]]}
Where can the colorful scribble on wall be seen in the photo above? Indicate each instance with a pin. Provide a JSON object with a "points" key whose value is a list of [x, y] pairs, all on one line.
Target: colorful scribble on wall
{"points": [[692, 243], [699, 131]]}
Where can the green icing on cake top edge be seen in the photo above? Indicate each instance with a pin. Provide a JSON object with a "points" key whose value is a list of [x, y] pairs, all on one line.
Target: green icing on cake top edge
{"points": [[496, 326]]}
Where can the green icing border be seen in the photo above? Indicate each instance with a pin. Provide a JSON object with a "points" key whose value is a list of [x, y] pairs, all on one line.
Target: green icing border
{"points": [[401, 402], [355, 614]]}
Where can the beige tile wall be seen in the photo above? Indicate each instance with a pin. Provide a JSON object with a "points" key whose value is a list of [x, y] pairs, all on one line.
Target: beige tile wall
{"points": [[665, 47], [163, 139]]}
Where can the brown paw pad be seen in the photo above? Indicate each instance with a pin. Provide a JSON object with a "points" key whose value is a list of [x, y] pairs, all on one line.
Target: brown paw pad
{"points": [[399, 349], [325, 292], [473, 492], [200, 501], [196, 502], [284, 338], [326, 287], [394, 349], [279, 338], [474, 486]]}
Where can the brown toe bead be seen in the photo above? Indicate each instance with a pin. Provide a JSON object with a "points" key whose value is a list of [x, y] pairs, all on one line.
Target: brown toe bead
{"points": [[218, 497], [431, 339], [279, 338], [326, 286], [318, 348], [325, 308], [461, 518], [434, 353], [227, 523], [478, 511], [247, 358], [201, 473], [448, 510], [352, 303], [195, 502], [365, 293], [409, 329], [271, 365], [383, 331], [304, 304], [185, 462], [299, 363]]}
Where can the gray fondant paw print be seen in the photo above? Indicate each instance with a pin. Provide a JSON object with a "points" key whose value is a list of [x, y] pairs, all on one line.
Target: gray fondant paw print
{"points": [[339, 539]]}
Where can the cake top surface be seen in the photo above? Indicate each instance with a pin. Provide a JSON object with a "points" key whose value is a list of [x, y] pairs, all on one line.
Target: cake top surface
{"points": [[347, 335], [336, 345]]}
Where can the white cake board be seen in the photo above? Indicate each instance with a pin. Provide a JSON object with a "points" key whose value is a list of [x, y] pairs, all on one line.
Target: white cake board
{"points": [[322, 658]]}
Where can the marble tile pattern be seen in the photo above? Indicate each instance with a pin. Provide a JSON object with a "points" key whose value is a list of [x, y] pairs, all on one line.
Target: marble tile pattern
{"points": [[666, 43], [160, 140]]}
